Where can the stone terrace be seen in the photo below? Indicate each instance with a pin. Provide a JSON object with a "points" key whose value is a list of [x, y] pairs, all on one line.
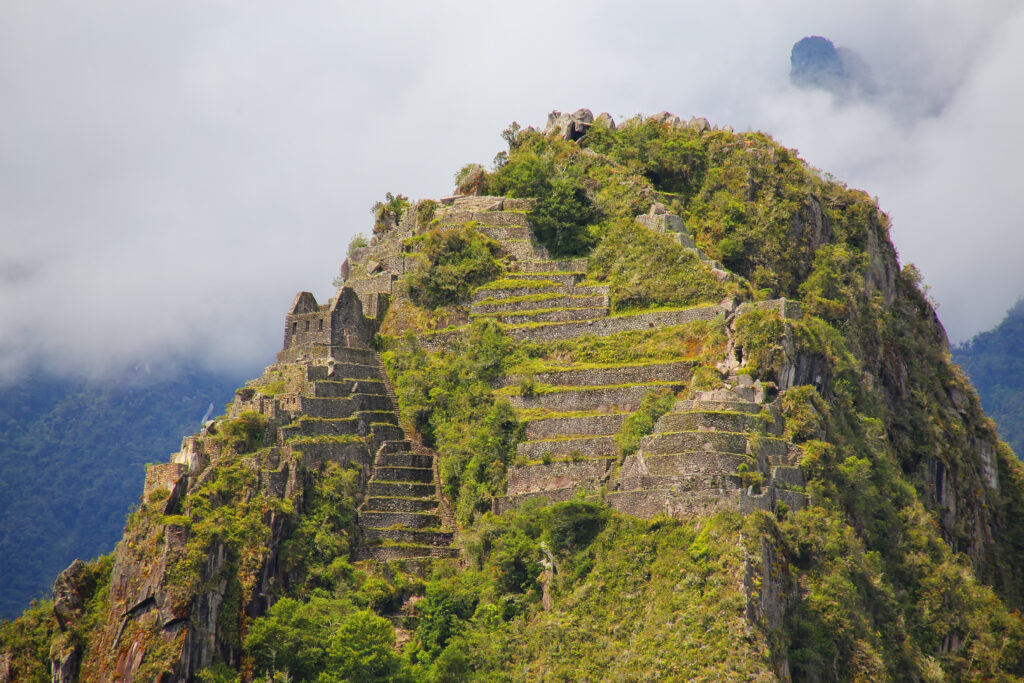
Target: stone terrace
{"points": [[711, 452], [345, 411]]}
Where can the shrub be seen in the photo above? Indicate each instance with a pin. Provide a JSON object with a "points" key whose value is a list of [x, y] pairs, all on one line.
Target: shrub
{"points": [[641, 423], [670, 275], [451, 264], [425, 210], [357, 242], [389, 212]]}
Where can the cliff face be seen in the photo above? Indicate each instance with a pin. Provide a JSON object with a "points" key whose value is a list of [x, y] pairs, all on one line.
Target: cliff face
{"points": [[658, 375]]}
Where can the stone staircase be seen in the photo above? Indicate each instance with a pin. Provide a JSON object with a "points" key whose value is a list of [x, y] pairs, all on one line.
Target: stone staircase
{"points": [[719, 449], [403, 516], [347, 412]]}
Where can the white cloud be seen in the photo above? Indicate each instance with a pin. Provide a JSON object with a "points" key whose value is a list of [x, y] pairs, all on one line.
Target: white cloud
{"points": [[170, 176]]}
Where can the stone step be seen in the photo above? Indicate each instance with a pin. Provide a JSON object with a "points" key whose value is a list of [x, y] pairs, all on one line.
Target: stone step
{"points": [[557, 315], [589, 398], [384, 504], [650, 502], [511, 287], [575, 265], [342, 371], [524, 250], [786, 476], [586, 445], [548, 427], [549, 301], [591, 290], [384, 432], [325, 388], [315, 454], [568, 279], [678, 371], [716, 421], [541, 477], [410, 520], [384, 553], [418, 460], [414, 536], [411, 474], [400, 489], [395, 446]]}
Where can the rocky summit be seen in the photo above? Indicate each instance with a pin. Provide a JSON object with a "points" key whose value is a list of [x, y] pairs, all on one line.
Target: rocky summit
{"points": [[646, 400]]}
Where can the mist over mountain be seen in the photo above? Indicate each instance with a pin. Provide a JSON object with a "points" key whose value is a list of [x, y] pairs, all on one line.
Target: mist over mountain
{"points": [[816, 63]]}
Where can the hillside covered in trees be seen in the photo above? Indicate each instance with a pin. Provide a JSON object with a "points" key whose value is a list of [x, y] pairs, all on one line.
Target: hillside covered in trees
{"points": [[995, 364], [645, 401]]}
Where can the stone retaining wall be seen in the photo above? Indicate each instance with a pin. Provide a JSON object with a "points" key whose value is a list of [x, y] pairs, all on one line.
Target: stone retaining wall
{"points": [[595, 399], [562, 315], [578, 265], [560, 301], [709, 421], [557, 426], [586, 445], [556, 475], [623, 374], [683, 464]]}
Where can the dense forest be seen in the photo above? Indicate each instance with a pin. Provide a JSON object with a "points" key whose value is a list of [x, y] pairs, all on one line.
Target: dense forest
{"points": [[995, 364], [72, 453]]}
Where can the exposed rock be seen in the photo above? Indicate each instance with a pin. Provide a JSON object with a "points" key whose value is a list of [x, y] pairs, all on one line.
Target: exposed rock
{"points": [[472, 184], [667, 118], [569, 126], [698, 124], [811, 224], [605, 119], [68, 601]]}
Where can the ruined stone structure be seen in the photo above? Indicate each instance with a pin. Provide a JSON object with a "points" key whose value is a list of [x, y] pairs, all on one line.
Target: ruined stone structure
{"points": [[692, 462]]}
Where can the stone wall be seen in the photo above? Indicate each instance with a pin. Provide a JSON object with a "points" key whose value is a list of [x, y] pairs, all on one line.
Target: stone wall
{"points": [[601, 327], [555, 475]]}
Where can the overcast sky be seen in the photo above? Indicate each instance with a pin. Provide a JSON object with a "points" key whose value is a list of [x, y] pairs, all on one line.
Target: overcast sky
{"points": [[172, 173]]}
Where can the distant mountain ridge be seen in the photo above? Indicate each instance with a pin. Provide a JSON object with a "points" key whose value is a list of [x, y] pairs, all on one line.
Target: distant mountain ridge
{"points": [[72, 453], [994, 360]]}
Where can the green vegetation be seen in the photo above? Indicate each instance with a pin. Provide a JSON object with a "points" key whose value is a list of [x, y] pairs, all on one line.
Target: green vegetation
{"points": [[451, 264], [996, 367], [641, 423], [906, 563], [671, 276], [389, 212], [357, 242], [72, 456], [447, 397]]}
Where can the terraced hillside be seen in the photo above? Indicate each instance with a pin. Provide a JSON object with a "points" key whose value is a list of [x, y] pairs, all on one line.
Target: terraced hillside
{"points": [[573, 412], [343, 409]]}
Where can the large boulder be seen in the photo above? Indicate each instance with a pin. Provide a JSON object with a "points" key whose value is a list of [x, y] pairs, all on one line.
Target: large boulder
{"points": [[569, 126]]}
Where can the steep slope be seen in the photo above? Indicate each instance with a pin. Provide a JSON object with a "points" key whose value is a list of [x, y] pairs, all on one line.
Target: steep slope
{"points": [[645, 401]]}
